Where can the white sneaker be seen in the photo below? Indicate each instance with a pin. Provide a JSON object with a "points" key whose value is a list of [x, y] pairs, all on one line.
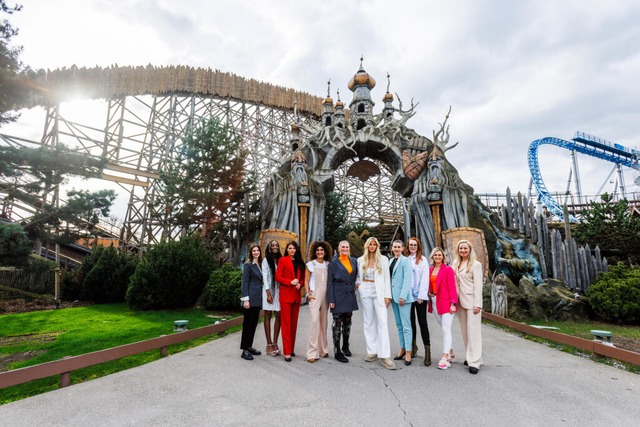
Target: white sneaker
{"points": [[444, 363]]}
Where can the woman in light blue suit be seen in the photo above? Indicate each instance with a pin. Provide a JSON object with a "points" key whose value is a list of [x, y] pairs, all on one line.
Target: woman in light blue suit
{"points": [[401, 279]]}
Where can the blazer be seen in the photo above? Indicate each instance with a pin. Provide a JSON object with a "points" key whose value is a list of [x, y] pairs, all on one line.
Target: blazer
{"points": [[446, 292], [401, 280], [251, 288], [420, 280], [341, 286], [382, 279], [285, 273], [469, 286]]}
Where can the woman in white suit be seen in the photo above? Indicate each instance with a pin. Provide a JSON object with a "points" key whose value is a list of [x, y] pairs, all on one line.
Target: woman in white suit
{"points": [[374, 286]]}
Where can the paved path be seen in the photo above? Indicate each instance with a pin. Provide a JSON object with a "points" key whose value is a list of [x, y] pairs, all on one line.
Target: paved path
{"points": [[522, 383]]}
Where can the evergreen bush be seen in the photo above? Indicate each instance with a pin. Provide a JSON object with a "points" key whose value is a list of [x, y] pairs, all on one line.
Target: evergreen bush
{"points": [[171, 275], [615, 297], [106, 275], [15, 245], [223, 289]]}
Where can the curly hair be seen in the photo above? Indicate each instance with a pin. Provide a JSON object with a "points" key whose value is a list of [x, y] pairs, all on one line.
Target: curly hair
{"points": [[320, 244]]}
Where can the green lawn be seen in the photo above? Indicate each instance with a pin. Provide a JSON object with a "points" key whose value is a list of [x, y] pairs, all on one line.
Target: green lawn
{"points": [[74, 331]]}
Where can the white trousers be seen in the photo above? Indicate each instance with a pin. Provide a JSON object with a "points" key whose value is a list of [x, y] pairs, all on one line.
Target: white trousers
{"points": [[445, 320], [374, 314]]}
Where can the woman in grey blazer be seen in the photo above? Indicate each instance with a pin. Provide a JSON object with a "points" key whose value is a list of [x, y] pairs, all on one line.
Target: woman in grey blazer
{"points": [[251, 297], [341, 296]]}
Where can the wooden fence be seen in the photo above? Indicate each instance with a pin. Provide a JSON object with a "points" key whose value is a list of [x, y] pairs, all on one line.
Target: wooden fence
{"points": [[65, 366], [594, 347]]}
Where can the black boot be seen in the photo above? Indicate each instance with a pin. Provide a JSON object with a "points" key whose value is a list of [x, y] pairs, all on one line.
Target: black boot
{"points": [[337, 331], [346, 331]]}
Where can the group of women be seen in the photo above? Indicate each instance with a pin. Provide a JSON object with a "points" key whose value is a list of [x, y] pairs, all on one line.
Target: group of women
{"points": [[410, 283]]}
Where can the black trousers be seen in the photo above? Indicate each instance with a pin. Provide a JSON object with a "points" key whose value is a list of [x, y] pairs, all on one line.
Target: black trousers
{"points": [[420, 311], [249, 324]]}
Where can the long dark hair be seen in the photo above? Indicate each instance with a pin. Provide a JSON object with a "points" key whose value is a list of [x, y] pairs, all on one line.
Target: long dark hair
{"points": [[250, 256], [272, 259], [298, 262]]}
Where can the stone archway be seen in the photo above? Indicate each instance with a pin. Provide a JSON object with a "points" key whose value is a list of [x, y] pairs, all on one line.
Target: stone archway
{"points": [[294, 198]]}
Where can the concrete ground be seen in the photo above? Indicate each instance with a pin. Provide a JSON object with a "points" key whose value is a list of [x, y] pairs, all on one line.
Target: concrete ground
{"points": [[521, 383]]}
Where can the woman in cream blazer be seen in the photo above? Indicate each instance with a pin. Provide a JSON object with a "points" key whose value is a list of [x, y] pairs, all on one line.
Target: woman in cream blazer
{"points": [[469, 285], [374, 286]]}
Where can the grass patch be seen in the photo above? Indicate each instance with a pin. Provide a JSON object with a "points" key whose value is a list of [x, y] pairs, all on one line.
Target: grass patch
{"points": [[51, 335]]}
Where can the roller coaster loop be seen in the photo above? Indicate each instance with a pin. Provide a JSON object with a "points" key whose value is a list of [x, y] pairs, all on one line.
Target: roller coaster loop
{"points": [[582, 143]]}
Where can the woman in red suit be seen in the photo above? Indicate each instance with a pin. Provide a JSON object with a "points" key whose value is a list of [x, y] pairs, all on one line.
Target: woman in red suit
{"points": [[290, 275]]}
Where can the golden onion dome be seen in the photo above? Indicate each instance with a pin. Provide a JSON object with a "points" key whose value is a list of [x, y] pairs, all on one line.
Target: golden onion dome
{"points": [[387, 97], [328, 100], [339, 103], [360, 79]]}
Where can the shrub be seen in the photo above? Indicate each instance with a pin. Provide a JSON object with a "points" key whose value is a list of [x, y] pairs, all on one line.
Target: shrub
{"points": [[107, 274], [223, 289], [15, 245], [71, 284], [171, 275], [616, 295]]}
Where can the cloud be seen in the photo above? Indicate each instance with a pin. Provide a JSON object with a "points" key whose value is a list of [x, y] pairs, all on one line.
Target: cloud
{"points": [[512, 71]]}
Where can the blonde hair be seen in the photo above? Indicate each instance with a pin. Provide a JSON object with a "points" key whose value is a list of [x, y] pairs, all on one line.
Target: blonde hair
{"points": [[433, 252], [377, 256], [472, 255]]}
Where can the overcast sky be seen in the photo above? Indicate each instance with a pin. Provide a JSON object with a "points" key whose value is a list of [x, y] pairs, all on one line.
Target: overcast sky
{"points": [[513, 71]]}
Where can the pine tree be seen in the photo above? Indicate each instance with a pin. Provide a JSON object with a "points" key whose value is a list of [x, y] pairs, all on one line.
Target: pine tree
{"points": [[14, 76], [612, 226], [201, 182]]}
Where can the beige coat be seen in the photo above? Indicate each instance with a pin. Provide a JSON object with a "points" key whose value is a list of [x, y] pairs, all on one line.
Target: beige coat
{"points": [[469, 286]]}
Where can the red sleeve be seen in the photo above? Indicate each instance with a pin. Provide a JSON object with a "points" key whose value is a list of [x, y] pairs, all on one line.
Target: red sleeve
{"points": [[284, 275]]}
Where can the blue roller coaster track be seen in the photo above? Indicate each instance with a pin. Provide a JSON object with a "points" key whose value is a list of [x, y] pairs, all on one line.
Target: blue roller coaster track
{"points": [[582, 143]]}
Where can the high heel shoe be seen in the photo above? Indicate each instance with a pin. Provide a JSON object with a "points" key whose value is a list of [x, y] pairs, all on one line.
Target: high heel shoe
{"points": [[400, 356]]}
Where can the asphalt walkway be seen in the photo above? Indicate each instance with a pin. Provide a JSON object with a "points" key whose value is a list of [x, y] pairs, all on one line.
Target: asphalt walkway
{"points": [[522, 383]]}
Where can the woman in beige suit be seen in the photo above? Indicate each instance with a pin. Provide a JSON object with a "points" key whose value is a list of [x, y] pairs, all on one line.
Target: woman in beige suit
{"points": [[315, 285], [469, 285]]}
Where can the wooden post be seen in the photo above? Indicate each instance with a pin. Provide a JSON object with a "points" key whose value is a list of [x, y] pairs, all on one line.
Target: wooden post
{"points": [[437, 228], [304, 210], [65, 379], [56, 291]]}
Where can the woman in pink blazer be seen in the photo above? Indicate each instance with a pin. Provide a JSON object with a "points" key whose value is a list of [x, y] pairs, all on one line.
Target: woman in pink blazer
{"points": [[444, 297]]}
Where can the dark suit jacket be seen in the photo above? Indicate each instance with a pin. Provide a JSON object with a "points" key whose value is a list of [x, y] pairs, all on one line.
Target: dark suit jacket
{"points": [[341, 286], [252, 284]]}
